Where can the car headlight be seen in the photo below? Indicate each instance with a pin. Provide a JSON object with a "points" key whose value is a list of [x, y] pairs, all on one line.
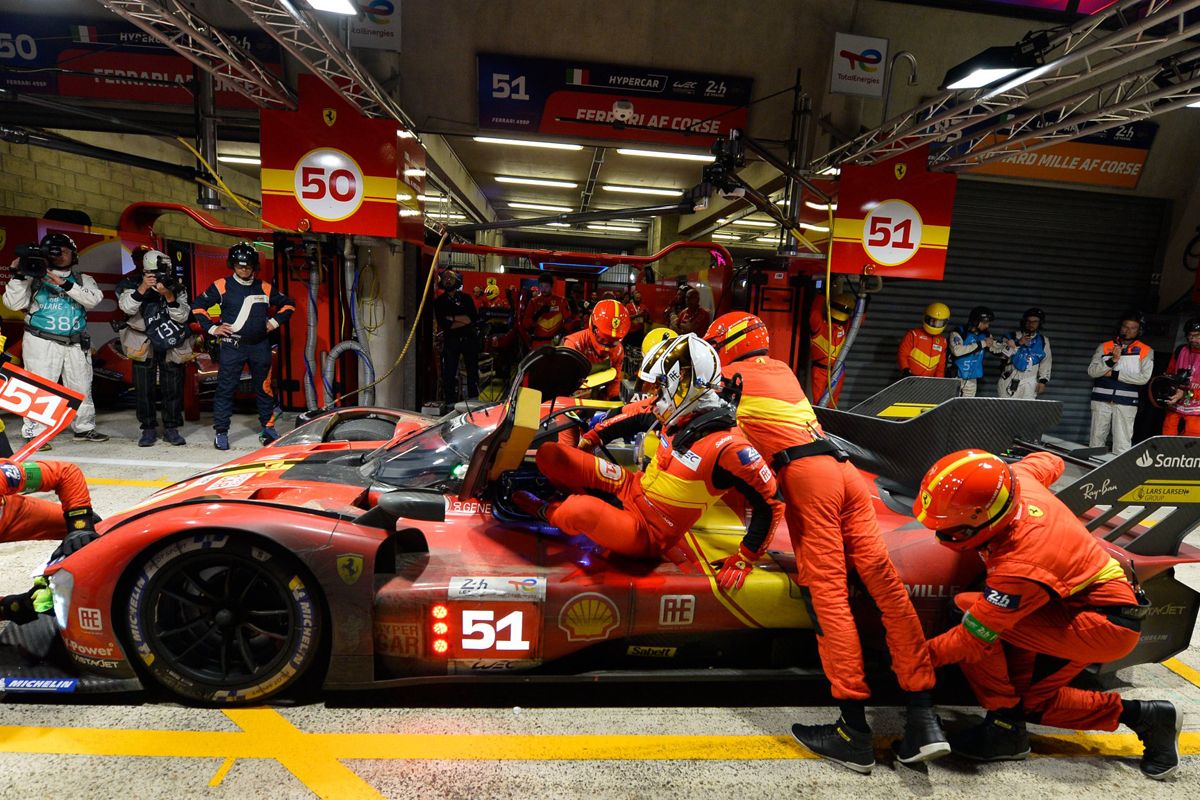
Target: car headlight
{"points": [[62, 585]]}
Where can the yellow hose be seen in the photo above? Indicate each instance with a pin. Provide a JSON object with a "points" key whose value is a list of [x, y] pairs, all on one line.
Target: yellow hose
{"points": [[224, 188]]}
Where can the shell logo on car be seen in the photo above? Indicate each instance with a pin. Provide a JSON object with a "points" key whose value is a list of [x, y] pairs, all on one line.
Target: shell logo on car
{"points": [[589, 617]]}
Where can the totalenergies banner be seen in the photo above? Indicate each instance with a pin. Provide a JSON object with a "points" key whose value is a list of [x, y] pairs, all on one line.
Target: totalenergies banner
{"points": [[894, 216], [327, 168]]}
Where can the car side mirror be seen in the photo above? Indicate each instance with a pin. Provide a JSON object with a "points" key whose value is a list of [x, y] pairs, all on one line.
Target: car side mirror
{"points": [[404, 504]]}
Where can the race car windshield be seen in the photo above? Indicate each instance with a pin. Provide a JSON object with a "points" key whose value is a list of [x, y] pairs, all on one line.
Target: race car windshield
{"points": [[435, 458]]}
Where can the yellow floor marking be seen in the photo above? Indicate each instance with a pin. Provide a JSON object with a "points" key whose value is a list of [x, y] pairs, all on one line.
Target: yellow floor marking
{"points": [[1183, 670], [222, 772], [128, 482]]}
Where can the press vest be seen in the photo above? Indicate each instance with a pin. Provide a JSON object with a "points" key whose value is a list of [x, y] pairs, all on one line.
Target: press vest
{"points": [[1109, 389], [56, 312], [1028, 356], [970, 366]]}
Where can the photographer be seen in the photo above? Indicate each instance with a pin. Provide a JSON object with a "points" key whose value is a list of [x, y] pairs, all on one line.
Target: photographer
{"points": [[157, 340], [1183, 406], [1118, 368], [56, 299], [1027, 351]]}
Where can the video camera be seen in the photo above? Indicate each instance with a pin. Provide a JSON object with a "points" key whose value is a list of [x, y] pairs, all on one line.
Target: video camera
{"points": [[34, 260], [1164, 387]]}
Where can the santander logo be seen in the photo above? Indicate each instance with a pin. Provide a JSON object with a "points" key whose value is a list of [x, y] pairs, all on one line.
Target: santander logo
{"points": [[1144, 460]]}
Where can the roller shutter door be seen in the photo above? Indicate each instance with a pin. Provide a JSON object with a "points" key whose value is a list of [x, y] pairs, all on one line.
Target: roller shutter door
{"points": [[1083, 257]]}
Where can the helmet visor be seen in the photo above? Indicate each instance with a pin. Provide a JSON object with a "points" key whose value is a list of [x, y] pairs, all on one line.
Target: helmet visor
{"points": [[934, 322]]}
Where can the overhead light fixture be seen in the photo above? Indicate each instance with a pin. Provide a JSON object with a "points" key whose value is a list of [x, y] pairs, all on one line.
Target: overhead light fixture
{"points": [[819, 228], [629, 151], [754, 223], [991, 66], [767, 239], [1194, 105], [540, 207], [558, 224], [433, 198], [537, 182], [403, 134], [820, 206], [403, 197], [608, 187], [239, 159], [727, 237], [409, 212], [527, 143], [616, 228], [333, 6], [831, 171], [443, 215], [414, 173]]}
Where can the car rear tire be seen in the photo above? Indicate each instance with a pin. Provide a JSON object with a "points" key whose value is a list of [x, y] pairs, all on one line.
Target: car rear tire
{"points": [[363, 429], [218, 620]]}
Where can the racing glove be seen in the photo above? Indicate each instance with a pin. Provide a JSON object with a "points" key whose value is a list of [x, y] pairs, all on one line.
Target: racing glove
{"points": [[25, 606], [589, 441], [732, 570], [80, 531]]}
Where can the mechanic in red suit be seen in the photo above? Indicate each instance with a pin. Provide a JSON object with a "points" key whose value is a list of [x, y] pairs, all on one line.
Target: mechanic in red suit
{"points": [[831, 520], [600, 343], [822, 354], [693, 318], [1054, 602], [546, 315], [701, 457]]}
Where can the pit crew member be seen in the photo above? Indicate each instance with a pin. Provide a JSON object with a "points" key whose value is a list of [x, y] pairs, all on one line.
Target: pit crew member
{"points": [[600, 343], [56, 344], [242, 332], [1027, 372], [1054, 602], [701, 458], [27, 519], [968, 344], [1118, 367], [1183, 407], [822, 350], [831, 520], [456, 318], [693, 318], [546, 315], [922, 351]]}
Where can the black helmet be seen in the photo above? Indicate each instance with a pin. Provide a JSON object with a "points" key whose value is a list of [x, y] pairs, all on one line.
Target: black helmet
{"points": [[242, 254], [980, 314], [1034, 312], [1191, 326], [55, 243]]}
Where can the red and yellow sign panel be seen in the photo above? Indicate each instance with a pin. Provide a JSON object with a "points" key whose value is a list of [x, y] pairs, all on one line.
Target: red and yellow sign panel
{"points": [[327, 168], [894, 215]]}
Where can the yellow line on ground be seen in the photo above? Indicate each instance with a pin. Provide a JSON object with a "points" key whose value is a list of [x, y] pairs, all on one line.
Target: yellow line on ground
{"points": [[1183, 670], [127, 482], [222, 772]]}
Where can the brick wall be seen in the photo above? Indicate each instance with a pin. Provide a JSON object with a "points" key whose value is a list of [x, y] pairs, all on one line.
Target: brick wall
{"points": [[33, 179]]}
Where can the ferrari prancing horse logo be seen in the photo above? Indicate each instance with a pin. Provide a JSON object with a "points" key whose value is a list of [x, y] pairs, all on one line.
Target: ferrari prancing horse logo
{"points": [[330, 116], [901, 171], [350, 568]]}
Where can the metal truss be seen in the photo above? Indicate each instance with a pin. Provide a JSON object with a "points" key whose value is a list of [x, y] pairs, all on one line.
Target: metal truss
{"points": [[205, 45], [973, 120], [308, 41]]}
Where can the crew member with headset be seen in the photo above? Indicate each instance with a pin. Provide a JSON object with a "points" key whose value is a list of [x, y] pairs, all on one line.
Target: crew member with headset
{"points": [[822, 352], [600, 343], [1118, 367], [456, 316], [56, 345], [1027, 372], [546, 315], [1183, 405], [922, 351], [968, 344], [242, 331]]}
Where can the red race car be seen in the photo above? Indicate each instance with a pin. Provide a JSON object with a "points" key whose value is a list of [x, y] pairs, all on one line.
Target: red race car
{"points": [[373, 548]]}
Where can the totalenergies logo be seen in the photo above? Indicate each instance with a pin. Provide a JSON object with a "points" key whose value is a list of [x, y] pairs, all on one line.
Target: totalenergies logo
{"points": [[378, 11], [867, 60]]}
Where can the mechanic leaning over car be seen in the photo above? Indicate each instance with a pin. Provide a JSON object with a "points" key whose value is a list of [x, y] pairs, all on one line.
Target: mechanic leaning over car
{"points": [[1183, 406], [1118, 367], [831, 520], [56, 345], [1054, 602], [242, 332], [158, 341], [1027, 353], [600, 343], [968, 344], [922, 351], [701, 458]]}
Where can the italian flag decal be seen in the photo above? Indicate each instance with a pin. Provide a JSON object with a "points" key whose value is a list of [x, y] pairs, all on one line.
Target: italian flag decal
{"points": [[84, 34], [577, 77]]}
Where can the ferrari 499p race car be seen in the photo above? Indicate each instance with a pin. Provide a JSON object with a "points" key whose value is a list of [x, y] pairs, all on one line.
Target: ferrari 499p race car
{"points": [[378, 548]]}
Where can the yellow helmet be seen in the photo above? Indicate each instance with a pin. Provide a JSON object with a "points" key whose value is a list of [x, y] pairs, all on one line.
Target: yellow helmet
{"points": [[491, 291], [841, 306], [656, 337], [937, 316]]}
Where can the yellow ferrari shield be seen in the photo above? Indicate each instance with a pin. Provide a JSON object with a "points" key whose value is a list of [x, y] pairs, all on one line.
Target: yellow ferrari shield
{"points": [[330, 116], [901, 171], [350, 568]]}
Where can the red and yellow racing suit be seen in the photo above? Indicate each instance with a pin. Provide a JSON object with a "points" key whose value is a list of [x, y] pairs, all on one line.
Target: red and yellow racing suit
{"points": [[832, 523], [25, 519], [821, 353], [584, 342], [545, 318], [1055, 599], [658, 506], [922, 353]]}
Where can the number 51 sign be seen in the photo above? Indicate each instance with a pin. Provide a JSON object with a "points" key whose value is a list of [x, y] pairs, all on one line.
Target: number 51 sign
{"points": [[894, 215], [38, 400]]}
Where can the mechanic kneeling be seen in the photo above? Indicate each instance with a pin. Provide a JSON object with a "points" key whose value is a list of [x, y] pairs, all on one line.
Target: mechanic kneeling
{"points": [[701, 457], [1054, 602], [832, 524]]}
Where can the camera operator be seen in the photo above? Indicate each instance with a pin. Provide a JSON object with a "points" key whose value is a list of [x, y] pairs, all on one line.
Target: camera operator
{"points": [[1183, 406], [56, 299], [1119, 367], [158, 341]]}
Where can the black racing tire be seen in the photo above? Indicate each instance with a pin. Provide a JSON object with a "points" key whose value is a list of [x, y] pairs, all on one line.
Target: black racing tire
{"points": [[220, 620], [362, 429]]}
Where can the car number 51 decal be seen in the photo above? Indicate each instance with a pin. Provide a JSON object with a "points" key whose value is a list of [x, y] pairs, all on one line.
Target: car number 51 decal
{"points": [[37, 400]]}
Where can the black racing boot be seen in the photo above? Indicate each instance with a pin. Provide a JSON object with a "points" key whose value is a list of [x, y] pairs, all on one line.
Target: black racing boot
{"points": [[997, 738], [1158, 726], [839, 742], [923, 739]]}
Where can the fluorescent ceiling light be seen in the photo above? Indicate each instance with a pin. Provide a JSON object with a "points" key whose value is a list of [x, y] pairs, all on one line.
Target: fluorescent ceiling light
{"points": [[608, 187], [558, 225], [433, 198], [729, 237], [820, 206], [239, 159], [624, 228], [527, 143], [403, 134], [1194, 105], [834, 171], [414, 173], [992, 65], [403, 196], [334, 6], [409, 212], [537, 182], [754, 223], [628, 151], [440, 215], [539, 207], [767, 239], [819, 228], [981, 77]]}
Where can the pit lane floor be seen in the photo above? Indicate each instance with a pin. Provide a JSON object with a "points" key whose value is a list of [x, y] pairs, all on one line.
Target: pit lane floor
{"points": [[594, 741]]}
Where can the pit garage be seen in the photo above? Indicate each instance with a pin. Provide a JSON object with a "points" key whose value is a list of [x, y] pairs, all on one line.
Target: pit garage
{"points": [[304, 298]]}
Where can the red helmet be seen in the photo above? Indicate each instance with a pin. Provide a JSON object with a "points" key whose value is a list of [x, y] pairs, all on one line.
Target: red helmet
{"points": [[610, 322], [737, 335], [967, 498]]}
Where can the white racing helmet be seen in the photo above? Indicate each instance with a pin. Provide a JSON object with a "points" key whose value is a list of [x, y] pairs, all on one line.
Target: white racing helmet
{"points": [[653, 346], [685, 369]]}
